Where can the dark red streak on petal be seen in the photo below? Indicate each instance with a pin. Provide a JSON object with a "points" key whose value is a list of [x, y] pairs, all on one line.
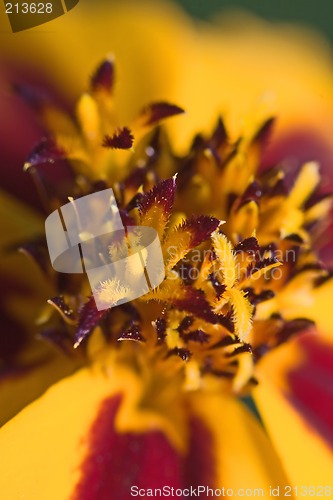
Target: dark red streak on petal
{"points": [[199, 467], [133, 332], [264, 134], [200, 227], [158, 111], [196, 303], [312, 386], [162, 194], [103, 78], [298, 146], [122, 139], [89, 318], [116, 462], [46, 151]]}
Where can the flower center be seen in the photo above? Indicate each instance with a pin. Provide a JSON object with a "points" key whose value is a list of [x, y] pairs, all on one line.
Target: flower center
{"points": [[241, 268]]}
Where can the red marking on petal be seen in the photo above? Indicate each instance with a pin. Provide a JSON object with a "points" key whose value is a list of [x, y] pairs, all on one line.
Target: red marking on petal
{"points": [[239, 350], [293, 327], [315, 198], [200, 464], [218, 287], [196, 336], [252, 193], [104, 76], [47, 151], [265, 132], [157, 111], [89, 318], [163, 194], [201, 227], [132, 333], [51, 170], [256, 298], [298, 146], [20, 128], [122, 139], [197, 304], [117, 461], [294, 238], [36, 97], [248, 245], [234, 148], [259, 264], [185, 324], [219, 136], [311, 385]]}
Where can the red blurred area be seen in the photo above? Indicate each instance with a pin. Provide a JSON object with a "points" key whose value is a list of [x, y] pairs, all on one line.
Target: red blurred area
{"points": [[117, 461]]}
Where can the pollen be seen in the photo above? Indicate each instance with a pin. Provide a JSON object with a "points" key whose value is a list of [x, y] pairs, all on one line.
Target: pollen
{"points": [[111, 291]]}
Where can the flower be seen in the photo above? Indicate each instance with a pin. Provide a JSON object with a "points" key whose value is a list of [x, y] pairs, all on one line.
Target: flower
{"points": [[156, 394]]}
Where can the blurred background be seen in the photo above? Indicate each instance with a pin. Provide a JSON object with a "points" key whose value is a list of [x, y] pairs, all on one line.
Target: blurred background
{"points": [[317, 14]]}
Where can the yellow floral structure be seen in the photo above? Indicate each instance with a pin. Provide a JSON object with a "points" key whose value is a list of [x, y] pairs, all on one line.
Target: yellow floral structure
{"points": [[157, 392]]}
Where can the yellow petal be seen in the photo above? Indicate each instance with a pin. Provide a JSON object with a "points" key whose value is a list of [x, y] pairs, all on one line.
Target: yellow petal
{"points": [[306, 183], [245, 457], [18, 222], [87, 111], [245, 220], [49, 438], [319, 211], [299, 299], [320, 309], [257, 273], [304, 455]]}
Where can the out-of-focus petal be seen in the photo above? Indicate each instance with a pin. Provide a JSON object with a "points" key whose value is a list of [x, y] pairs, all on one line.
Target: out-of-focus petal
{"points": [[20, 387], [311, 385], [90, 429], [19, 131], [245, 458], [294, 397], [49, 435], [18, 222], [241, 63], [19, 277], [87, 413], [299, 300]]}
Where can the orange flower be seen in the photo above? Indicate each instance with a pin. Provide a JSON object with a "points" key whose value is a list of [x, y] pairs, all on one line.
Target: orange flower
{"points": [[157, 398]]}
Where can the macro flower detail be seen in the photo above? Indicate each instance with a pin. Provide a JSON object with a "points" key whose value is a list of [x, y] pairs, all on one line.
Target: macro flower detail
{"points": [[159, 380]]}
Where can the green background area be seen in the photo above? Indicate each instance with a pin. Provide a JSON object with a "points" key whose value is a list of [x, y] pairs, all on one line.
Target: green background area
{"points": [[315, 13]]}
